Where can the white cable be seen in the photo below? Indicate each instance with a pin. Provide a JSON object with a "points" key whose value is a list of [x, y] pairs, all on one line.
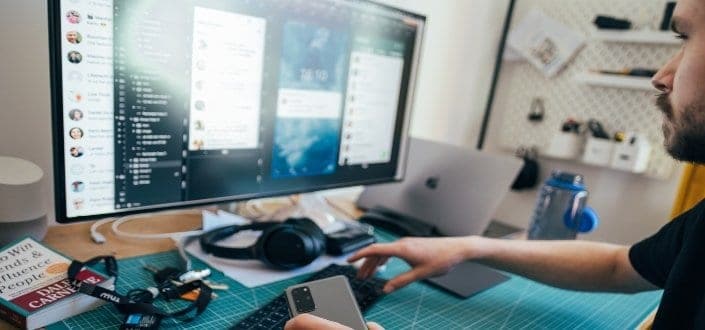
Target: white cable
{"points": [[97, 236], [181, 243], [339, 209], [116, 226]]}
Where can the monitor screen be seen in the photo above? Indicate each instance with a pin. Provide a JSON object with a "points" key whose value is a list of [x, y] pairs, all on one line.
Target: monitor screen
{"points": [[160, 104]]}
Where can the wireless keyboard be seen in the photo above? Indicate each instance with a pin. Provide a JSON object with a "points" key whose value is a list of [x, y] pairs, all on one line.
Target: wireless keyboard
{"points": [[276, 313]]}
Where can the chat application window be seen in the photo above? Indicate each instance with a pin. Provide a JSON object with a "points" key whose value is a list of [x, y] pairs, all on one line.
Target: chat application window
{"points": [[227, 68], [374, 82]]}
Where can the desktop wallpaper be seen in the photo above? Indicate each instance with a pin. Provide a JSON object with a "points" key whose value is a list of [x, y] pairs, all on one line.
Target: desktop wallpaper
{"points": [[312, 77]]}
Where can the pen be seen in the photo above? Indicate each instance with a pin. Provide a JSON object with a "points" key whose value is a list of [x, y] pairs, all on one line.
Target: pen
{"points": [[635, 72]]}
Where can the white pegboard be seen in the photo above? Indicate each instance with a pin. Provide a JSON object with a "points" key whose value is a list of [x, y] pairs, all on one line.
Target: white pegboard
{"points": [[618, 109]]}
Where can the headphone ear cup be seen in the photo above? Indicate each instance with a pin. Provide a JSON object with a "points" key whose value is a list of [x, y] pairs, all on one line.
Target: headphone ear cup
{"points": [[291, 245], [310, 228]]}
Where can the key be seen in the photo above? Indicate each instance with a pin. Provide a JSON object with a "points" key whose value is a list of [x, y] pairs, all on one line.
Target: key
{"points": [[150, 269], [216, 286], [193, 295], [194, 275]]}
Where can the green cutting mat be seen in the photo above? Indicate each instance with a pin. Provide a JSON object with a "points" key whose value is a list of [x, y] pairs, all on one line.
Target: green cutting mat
{"points": [[516, 304]]}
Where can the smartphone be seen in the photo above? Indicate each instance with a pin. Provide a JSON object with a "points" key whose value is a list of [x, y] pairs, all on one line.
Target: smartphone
{"points": [[330, 298]]}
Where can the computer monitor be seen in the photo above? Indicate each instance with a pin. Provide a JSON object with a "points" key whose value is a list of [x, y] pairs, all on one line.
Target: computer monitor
{"points": [[166, 104]]}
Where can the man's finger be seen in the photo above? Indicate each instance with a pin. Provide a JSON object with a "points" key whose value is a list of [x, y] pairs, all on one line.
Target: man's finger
{"points": [[377, 263], [310, 322], [404, 280], [382, 261], [374, 326], [370, 263], [370, 266], [376, 250]]}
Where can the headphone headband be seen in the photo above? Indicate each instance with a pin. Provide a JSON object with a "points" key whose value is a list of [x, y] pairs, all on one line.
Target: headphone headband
{"points": [[208, 241]]}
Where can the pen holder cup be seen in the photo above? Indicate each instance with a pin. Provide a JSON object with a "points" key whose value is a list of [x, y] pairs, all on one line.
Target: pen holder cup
{"points": [[632, 155], [598, 151], [565, 146]]}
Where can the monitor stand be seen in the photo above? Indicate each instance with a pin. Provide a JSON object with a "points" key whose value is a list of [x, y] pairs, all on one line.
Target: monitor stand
{"points": [[315, 207], [397, 223]]}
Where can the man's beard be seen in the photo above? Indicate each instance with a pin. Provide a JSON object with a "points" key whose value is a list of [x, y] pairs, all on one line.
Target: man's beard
{"points": [[685, 135]]}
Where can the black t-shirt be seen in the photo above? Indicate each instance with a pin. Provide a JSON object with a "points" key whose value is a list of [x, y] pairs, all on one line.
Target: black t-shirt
{"points": [[674, 259]]}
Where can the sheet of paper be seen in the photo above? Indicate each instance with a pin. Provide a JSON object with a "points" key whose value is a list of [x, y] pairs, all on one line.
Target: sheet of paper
{"points": [[221, 219], [250, 273]]}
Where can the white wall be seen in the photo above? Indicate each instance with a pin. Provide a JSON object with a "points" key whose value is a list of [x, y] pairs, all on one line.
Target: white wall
{"points": [[25, 109], [462, 37]]}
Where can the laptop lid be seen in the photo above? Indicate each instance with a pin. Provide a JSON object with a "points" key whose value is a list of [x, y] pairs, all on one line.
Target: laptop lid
{"points": [[455, 189]]}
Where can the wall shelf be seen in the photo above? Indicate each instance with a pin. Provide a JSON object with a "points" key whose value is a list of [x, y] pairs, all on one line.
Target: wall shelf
{"points": [[615, 81], [636, 36]]}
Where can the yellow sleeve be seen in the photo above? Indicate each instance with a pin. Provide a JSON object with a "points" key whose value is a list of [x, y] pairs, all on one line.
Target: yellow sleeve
{"points": [[691, 189]]}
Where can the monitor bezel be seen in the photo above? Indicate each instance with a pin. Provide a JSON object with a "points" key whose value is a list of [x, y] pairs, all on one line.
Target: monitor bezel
{"points": [[57, 122]]}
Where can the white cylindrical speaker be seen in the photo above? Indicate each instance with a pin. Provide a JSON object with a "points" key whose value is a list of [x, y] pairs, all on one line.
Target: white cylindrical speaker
{"points": [[21, 200]]}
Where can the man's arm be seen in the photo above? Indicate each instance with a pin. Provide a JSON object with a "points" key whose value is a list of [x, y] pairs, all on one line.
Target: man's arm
{"points": [[575, 265]]}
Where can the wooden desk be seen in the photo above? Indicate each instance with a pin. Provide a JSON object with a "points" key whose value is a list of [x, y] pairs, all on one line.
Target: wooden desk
{"points": [[74, 240]]}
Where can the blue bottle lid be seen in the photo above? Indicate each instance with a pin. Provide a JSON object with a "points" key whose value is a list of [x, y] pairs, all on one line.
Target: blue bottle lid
{"points": [[586, 222], [566, 180]]}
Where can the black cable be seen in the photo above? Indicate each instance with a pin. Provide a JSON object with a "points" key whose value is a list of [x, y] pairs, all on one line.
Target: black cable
{"points": [[495, 76], [140, 295]]}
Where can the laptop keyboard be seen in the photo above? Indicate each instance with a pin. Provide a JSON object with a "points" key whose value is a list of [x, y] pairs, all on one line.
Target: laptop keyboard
{"points": [[275, 314]]}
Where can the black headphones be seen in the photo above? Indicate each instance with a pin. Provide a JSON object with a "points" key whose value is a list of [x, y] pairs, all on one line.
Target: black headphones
{"points": [[292, 244]]}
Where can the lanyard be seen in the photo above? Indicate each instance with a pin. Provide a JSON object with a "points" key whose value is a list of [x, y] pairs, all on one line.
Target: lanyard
{"points": [[140, 301]]}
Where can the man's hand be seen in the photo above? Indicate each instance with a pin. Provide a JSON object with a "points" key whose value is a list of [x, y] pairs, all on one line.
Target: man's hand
{"points": [[310, 322], [428, 257]]}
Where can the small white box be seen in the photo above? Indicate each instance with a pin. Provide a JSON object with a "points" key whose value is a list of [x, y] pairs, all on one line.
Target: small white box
{"points": [[633, 154], [565, 145], [598, 151]]}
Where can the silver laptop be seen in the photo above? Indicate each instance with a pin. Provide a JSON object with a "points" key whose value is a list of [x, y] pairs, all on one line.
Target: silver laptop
{"points": [[455, 189]]}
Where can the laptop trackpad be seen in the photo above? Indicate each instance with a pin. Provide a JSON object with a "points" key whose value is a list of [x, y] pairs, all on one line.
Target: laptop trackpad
{"points": [[468, 278]]}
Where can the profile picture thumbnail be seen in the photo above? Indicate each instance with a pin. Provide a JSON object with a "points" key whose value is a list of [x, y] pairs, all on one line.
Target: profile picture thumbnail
{"points": [[75, 76], [78, 204], [198, 144], [75, 96], [73, 17], [76, 152], [74, 37], [201, 65], [76, 133], [75, 57], [77, 169], [202, 44], [78, 186], [200, 105], [199, 125], [76, 115], [199, 85]]}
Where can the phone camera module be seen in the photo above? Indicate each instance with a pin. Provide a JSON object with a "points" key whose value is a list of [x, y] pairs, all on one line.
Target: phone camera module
{"points": [[303, 300]]}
